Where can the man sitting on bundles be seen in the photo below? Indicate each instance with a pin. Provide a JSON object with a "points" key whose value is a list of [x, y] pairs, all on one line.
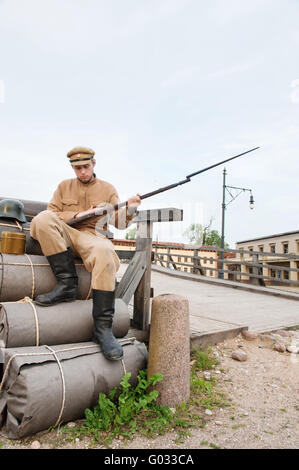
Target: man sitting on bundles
{"points": [[60, 243]]}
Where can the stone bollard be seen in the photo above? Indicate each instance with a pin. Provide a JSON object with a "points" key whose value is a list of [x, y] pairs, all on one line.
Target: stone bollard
{"points": [[169, 348]]}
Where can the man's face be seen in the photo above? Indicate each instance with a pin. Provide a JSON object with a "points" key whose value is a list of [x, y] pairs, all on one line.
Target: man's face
{"points": [[84, 173]]}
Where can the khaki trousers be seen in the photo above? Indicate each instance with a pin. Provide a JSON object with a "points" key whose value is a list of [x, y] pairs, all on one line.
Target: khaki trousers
{"points": [[96, 251]]}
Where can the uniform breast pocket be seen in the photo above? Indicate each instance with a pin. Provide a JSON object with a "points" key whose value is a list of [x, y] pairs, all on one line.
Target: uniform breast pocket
{"points": [[70, 204], [96, 203]]}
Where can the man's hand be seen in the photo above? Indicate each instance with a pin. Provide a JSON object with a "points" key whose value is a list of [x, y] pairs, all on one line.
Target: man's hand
{"points": [[89, 211], [134, 201]]}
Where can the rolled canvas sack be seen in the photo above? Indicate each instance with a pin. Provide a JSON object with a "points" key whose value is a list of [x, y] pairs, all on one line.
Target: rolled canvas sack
{"points": [[30, 275], [45, 386], [27, 324]]}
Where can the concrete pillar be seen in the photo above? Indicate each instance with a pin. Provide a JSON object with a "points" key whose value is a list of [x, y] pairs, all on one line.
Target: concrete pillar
{"points": [[169, 348]]}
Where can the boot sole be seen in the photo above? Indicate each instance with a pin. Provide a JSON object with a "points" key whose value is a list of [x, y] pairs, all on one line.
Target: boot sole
{"points": [[108, 358], [54, 303], [114, 358]]}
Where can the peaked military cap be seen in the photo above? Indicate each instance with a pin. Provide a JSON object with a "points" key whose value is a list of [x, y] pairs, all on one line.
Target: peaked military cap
{"points": [[80, 155]]}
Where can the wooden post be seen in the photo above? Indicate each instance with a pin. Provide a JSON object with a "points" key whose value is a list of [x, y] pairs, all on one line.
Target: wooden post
{"points": [[255, 270], [143, 292], [168, 257], [195, 260]]}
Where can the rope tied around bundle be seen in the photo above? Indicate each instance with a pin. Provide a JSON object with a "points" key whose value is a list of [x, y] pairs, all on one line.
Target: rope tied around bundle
{"points": [[30, 301]]}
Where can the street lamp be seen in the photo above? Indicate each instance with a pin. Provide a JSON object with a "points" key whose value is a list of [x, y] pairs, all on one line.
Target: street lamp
{"points": [[229, 190]]}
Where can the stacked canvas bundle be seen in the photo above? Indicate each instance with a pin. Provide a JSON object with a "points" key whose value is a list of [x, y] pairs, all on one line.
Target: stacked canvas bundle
{"points": [[47, 385], [30, 275], [52, 370], [27, 324]]}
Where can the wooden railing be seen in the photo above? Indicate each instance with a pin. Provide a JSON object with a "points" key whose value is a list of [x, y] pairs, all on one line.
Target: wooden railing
{"points": [[245, 266]]}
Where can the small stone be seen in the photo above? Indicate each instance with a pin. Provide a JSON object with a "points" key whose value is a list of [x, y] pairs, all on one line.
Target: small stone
{"points": [[35, 445], [293, 349], [218, 423], [284, 333], [279, 347], [71, 424], [249, 335], [208, 412], [239, 355]]}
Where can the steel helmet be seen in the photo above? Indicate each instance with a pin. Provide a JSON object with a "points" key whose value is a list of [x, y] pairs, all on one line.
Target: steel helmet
{"points": [[12, 209]]}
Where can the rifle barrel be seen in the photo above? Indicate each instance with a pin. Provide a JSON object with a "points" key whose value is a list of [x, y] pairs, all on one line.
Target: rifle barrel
{"points": [[165, 188]]}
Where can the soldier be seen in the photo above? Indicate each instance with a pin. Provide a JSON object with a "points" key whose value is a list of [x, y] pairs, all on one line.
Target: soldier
{"points": [[60, 243]]}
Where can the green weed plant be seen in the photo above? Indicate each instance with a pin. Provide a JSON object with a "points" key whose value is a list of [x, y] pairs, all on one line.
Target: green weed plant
{"points": [[128, 410]]}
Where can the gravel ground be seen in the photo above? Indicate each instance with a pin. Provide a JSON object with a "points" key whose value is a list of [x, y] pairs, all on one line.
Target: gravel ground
{"points": [[263, 411]]}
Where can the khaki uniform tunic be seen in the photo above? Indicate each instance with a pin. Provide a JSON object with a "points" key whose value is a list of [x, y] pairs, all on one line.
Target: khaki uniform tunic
{"points": [[85, 239]]}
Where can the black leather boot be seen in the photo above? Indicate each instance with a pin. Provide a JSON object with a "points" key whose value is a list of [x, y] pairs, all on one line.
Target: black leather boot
{"points": [[103, 313], [63, 267]]}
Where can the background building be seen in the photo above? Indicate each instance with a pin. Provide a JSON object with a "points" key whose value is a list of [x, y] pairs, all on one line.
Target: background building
{"points": [[266, 250]]}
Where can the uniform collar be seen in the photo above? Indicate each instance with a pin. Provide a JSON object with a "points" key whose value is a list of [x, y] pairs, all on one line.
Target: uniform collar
{"points": [[90, 183]]}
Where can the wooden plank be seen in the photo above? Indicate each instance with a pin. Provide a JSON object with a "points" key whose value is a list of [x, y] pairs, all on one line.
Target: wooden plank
{"points": [[131, 278]]}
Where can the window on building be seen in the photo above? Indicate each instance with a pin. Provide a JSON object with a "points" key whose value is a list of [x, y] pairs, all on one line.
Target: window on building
{"points": [[250, 248], [261, 247], [286, 274], [273, 272], [211, 272], [272, 248], [211, 260], [285, 247], [179, 259]]}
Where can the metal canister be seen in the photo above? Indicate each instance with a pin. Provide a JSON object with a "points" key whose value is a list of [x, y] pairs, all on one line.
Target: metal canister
{"points": [[13, 243]]}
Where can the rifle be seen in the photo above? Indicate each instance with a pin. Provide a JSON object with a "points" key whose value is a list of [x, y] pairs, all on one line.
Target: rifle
{"points": [[103, 211]]}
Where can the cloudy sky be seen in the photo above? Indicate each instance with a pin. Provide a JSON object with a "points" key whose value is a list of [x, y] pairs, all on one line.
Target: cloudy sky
{"points": [[159, 89]]}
